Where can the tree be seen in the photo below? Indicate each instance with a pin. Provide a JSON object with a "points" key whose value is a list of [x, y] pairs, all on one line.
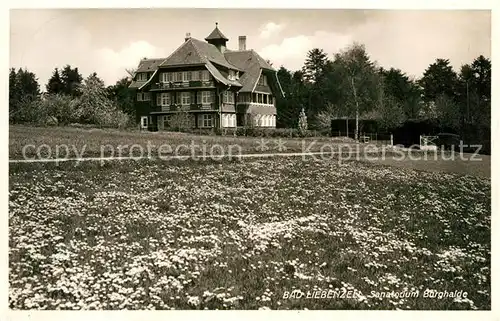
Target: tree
{"points": [[27, 84], [61, 109], [438, 79], [95, 107], [55, 84], [324, 117], [23, 90], [481, 69], [122, 95], [389, 110], [361, 79], [314, 65], [71, 80], [296, 97], [404, 90], [131, 72], [13, 92], [448, 113]]}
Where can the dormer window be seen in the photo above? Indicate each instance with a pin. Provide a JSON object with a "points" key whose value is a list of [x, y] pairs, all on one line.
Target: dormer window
{"points": [[232, 75], [142, 76], [263, 80]]}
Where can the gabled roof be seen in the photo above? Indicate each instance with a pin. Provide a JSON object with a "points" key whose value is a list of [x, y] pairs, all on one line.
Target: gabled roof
{"points": [[216, 34], [211, 53], [217, 75], [146, 65], [251, 62], [195, 51], [186, 54], [137, 84]]}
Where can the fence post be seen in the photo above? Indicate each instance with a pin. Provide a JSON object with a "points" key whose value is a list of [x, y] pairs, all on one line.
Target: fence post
{"points": [[420, 140], [392, 141]]}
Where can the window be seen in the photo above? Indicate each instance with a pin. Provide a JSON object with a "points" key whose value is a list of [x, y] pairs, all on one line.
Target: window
{"points": [[178, 76], [228, 97], [142, 76], [205, 75], [158, 99], [143, 96], [262, 80], [166, 77], [206, 97], [206, 120], [185, 98], [165, 99], [231, 75], [195, 75], [144, 121], [186, 76]]}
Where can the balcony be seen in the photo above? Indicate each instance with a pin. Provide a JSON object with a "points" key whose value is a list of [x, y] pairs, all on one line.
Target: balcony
{"points": [[182, 84], [191, 107]]}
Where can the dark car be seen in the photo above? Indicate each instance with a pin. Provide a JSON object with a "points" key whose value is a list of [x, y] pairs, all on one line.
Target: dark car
{"points": [[448, 141]]}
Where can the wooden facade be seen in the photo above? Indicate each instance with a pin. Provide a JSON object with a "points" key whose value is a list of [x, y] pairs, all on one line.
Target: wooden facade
{"points": [[205, 85]]}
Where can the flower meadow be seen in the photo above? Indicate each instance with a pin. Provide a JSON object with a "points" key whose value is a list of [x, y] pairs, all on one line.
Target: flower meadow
{"points": [[241, 234]]}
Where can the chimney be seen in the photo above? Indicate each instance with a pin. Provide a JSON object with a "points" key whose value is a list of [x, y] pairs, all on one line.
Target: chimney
{"points": [[242, 42], [188, 36]]}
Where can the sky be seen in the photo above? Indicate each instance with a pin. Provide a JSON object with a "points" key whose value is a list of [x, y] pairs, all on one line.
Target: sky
{"points": [[109, 41]]}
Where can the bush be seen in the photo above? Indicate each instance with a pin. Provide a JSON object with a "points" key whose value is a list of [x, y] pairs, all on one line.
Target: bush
{"points": [[112, 119], [61, 107], [28, 111]]}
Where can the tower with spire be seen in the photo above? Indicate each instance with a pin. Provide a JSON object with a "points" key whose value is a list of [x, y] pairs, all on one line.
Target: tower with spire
{"points": [[217, 38]]}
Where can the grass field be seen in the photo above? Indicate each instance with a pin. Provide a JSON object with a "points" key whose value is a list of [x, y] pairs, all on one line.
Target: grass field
{"points": [[241, 234], [93, 142]]}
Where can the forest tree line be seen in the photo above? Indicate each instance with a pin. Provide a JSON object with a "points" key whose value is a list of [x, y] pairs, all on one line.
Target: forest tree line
{"points": [[345, 85], [350, 83]]}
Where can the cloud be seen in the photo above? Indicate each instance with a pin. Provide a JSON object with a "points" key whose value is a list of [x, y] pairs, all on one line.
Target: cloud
{"points": [[292, 51], [270, 29], [409, 41], [114, 63], [77, 48]]}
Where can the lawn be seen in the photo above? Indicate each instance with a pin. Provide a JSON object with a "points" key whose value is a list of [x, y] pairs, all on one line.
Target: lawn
{"points": [[243, 234], [107, 142]]}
